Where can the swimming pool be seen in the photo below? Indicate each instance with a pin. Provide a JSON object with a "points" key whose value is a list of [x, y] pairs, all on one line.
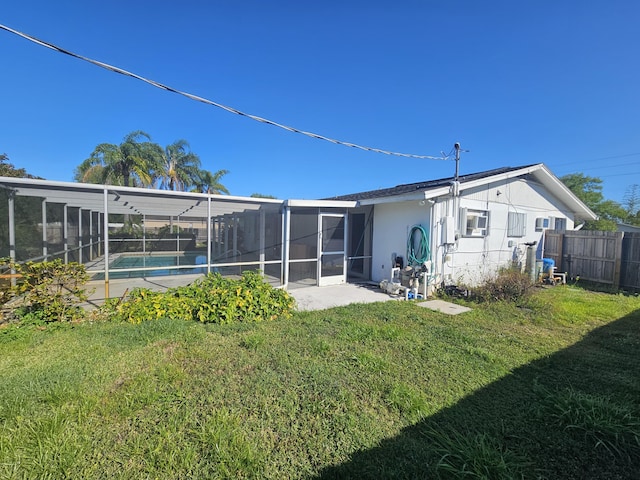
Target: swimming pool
{"points": [[159, 265]]}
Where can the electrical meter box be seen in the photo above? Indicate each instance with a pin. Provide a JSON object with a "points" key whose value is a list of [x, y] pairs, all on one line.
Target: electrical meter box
{"points": [[448, 231]]}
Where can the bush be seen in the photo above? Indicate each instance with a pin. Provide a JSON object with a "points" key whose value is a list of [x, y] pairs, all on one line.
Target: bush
{"points": [[214, 299], [507, 285], [51, 291]]}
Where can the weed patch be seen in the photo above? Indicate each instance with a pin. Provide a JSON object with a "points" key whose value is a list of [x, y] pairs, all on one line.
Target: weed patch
{"points": [[507, 285]]}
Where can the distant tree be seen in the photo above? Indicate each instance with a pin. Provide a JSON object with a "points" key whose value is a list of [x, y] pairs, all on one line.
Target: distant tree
{"points": [[90, 171], [260, 195], [8, 169], [26, 214], [208, 182], [180, 167], [631, 199], [132, 163], [589, 190]]}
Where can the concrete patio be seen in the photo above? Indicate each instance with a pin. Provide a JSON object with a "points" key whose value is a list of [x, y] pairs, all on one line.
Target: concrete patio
{"points": [[307, 297]]}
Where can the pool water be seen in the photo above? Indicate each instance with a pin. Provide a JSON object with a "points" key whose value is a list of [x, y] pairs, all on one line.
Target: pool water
{"points": [[154, 261]]}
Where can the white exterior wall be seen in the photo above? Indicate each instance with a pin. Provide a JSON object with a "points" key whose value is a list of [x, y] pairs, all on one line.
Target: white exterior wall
{"points": [[469, 260], [472, 260], [392, 223]]}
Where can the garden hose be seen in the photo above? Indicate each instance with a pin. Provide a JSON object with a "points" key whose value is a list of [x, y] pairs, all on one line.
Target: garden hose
{"points": [[420, 253]]}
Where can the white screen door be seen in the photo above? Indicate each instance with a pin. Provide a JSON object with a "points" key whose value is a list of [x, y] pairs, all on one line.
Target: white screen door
{"points": [[332, 241]]}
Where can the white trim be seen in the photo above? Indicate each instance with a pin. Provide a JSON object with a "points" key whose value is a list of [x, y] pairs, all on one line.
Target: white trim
{"points": [[321, 203]]}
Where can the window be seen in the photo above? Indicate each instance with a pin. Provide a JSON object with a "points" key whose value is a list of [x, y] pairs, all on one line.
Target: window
{"points": [[560, 224], [542, 223], [474, 223], [516, 224]]}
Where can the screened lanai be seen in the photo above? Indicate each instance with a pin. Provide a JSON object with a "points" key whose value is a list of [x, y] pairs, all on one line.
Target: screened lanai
{"points": [[124, 232]]}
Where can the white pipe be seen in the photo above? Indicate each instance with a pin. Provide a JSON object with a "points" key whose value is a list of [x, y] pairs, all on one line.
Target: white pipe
{"points": [[262, 239], [12, 236], [90, 235], [80, 235], [44, 230], [65, 233], [286, 233], [208, 234], [105, 229]]}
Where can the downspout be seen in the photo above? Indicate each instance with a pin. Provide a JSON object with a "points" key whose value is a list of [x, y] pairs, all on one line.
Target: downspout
{"points": [[433, 231], [454, 212]]}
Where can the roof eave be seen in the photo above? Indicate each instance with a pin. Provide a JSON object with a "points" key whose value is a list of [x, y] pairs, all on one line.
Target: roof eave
{"points": [[564, 194]]}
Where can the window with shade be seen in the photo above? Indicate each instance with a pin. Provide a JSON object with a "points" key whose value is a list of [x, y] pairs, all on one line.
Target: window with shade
{"points": [[516, 224]]}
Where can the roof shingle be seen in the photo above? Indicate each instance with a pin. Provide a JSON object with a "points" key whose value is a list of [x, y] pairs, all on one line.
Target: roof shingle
{"points": [[423, 186]]}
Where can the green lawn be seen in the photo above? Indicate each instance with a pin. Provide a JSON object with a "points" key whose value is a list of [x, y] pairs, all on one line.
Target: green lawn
{"points": [[550, 389]]}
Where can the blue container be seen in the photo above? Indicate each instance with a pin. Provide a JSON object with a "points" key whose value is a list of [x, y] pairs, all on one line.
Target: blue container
{"points": [[547, 265]]}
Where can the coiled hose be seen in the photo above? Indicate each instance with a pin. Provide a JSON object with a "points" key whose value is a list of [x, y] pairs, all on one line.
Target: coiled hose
{"points": [[418, 250]]}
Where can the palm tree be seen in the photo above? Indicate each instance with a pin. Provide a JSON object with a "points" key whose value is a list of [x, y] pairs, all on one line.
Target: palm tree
{"points": [[132, 163], [208, 182], [180, 168], [89, 171]]}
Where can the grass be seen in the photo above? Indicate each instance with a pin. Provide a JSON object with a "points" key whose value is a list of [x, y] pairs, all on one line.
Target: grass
{"points": [[549, 389]]}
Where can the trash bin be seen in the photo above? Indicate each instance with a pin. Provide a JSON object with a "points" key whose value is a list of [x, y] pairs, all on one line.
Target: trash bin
{"points": [[548, 265]]}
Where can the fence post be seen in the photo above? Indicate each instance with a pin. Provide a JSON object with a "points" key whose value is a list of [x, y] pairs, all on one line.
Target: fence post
{"points": [[617, 270], [560, 241]]}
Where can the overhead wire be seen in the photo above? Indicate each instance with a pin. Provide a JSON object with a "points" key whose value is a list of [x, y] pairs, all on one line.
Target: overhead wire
{"points": [[215, 104], [581, 162]]}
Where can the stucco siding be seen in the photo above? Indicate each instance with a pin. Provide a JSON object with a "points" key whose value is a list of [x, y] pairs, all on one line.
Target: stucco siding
{"points": [[476, 258], [392, 224]]}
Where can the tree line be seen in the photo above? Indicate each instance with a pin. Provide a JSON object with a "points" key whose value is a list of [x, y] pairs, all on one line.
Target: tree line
{"points": [[139, 162], [610, 213]]}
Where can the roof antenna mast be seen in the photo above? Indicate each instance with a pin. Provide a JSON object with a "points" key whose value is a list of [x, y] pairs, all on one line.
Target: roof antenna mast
{"points": [[456, 147]]}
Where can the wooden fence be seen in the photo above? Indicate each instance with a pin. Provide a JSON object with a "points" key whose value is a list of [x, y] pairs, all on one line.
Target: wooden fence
{"points": [[604, 257]]}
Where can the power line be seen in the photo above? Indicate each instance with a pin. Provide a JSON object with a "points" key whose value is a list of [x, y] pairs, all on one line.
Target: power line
{"points": [[210, 102], [600, 167], [626, 174], [596, 159]]}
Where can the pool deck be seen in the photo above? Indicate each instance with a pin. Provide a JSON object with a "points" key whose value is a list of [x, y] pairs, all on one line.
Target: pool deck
{"points": [[118, 288], [307, 297]]}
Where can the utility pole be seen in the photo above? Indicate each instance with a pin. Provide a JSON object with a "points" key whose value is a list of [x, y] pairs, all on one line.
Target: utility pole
{"points": [[456, 147]]}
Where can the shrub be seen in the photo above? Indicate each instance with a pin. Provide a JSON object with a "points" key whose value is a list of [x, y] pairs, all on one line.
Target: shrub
{"points": [[213, 299], [507, 285], [51, 290]]}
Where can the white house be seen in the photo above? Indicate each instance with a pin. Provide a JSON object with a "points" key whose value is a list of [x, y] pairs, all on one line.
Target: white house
{"points": [[462, 229], [472, 226]]}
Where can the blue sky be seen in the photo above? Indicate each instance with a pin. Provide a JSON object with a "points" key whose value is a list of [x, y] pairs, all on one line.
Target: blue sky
{"points": [[514, 82]]}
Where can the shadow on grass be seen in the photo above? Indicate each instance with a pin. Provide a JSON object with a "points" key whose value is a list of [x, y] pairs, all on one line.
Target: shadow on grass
{"points": [[574, 414]]}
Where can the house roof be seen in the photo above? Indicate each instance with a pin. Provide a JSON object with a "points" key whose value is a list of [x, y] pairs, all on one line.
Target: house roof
{"points": [[435, 188], [424, 186]]}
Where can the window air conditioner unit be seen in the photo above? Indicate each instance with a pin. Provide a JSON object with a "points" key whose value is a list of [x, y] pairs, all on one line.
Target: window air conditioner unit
{"points": [[542, 223]]}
